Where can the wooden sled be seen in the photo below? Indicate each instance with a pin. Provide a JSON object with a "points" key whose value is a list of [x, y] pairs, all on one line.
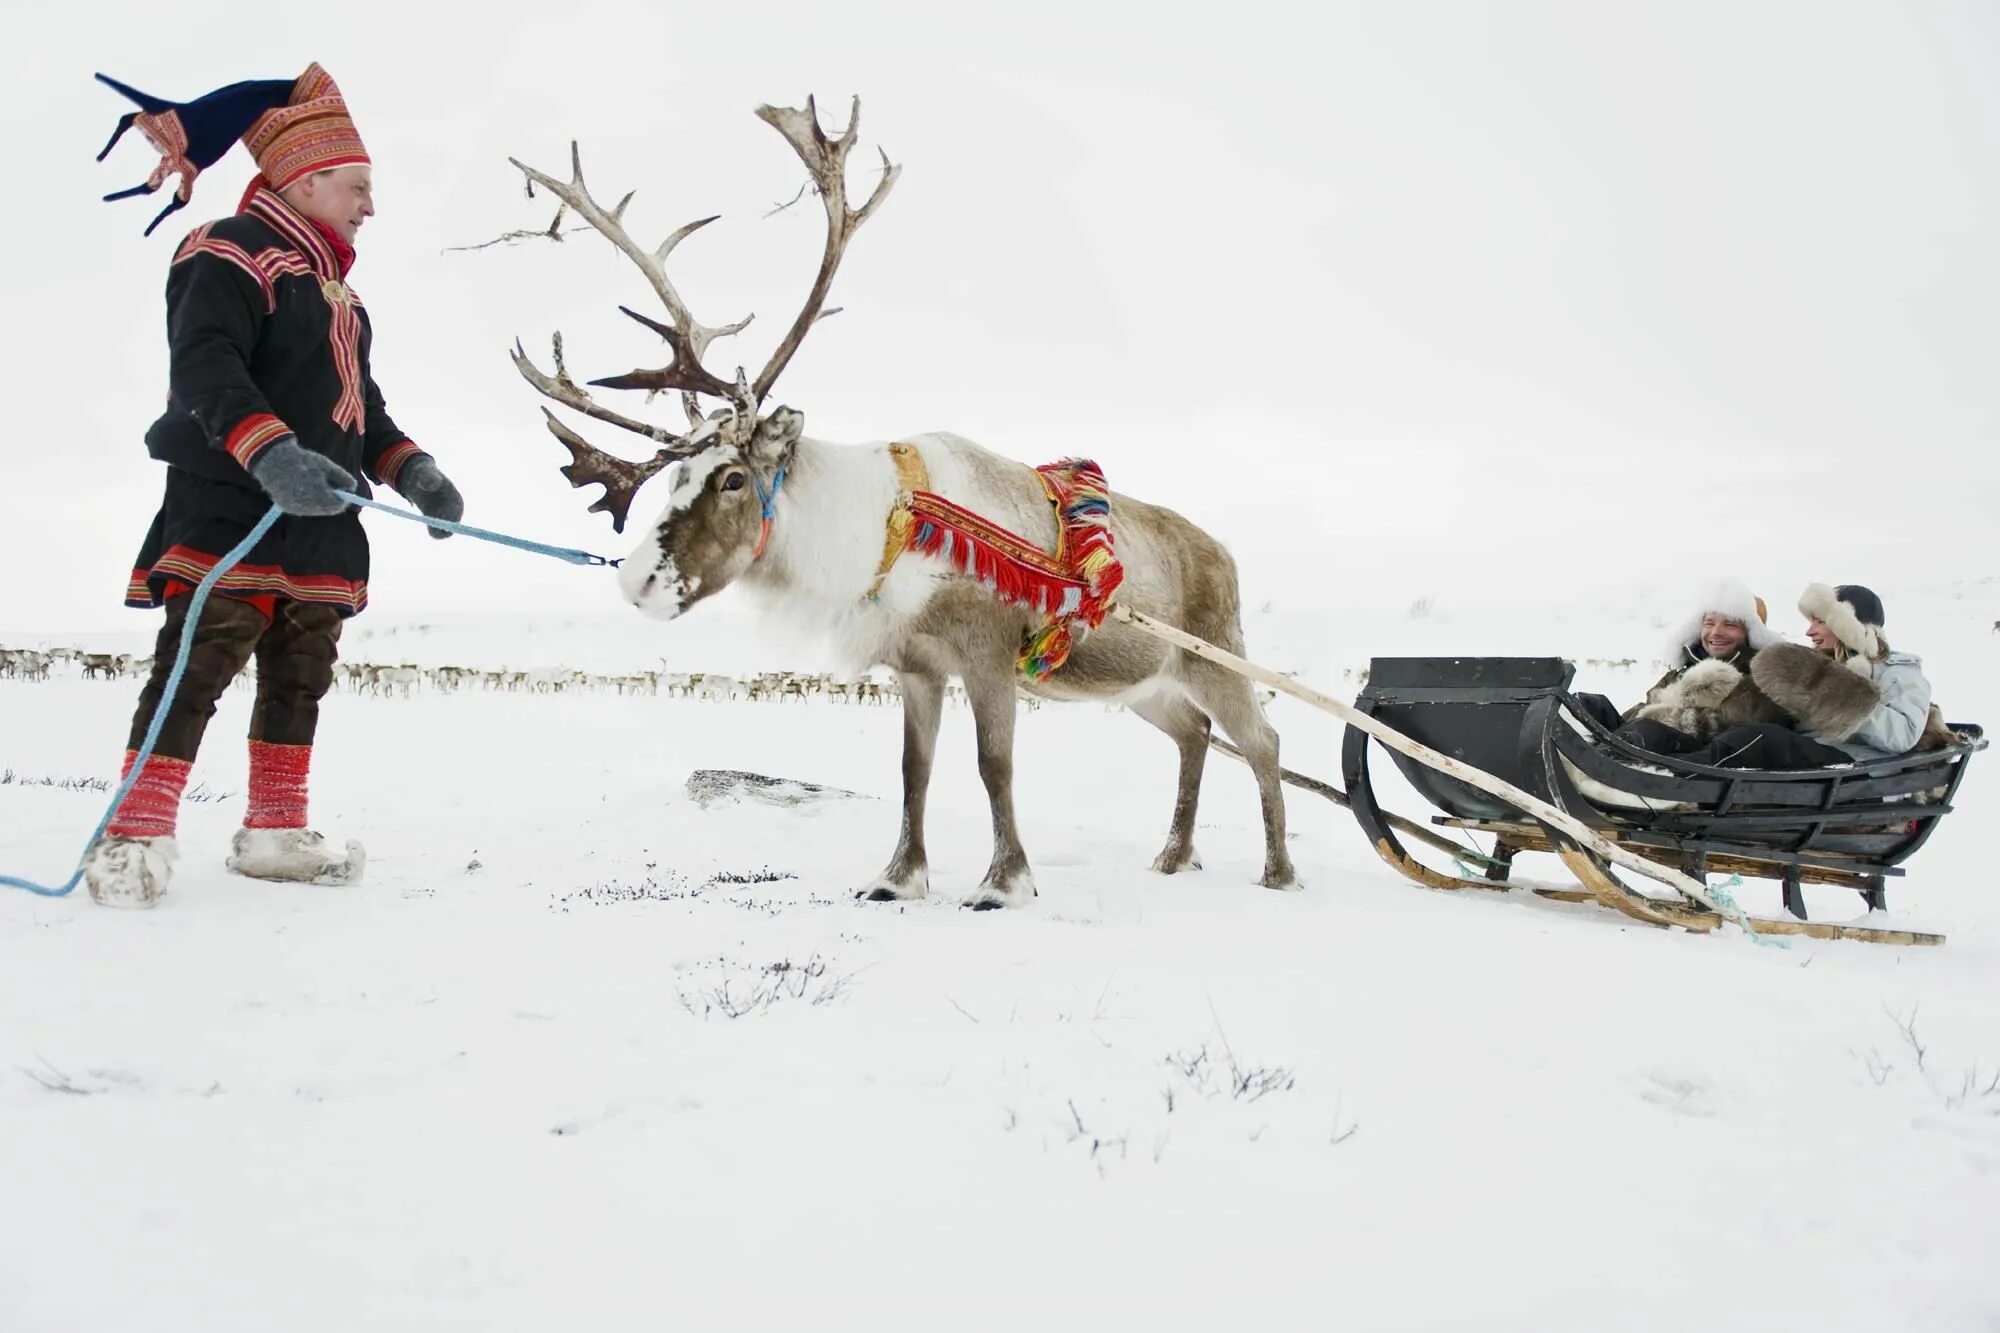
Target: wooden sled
{"points": [[1502, 748], [1514, 718]]}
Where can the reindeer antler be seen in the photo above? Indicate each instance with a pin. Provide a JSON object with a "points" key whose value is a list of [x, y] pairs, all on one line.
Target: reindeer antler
{"points": [[621, 480], [826, 160], [686, 338]]}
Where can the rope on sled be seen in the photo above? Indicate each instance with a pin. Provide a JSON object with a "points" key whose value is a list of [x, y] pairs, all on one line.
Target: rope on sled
{"points": [[228, 562]]}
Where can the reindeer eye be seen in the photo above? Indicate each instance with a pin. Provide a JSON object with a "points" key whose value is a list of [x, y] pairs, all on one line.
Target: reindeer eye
{"points": [[733, 482]]}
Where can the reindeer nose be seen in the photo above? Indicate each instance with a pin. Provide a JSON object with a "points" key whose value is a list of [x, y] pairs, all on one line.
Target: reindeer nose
{"points": [[646, 588]]}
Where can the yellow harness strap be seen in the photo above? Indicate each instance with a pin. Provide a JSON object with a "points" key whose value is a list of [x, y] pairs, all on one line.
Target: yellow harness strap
{"points": [[911, 476]]}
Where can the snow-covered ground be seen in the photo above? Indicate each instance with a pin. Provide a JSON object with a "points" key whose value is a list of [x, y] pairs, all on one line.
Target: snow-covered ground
{"points": [[583, 1051]]}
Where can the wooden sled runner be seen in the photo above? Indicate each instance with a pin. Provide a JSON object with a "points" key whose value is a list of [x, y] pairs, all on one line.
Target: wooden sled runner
{"points": [[1514, 717], [1502, 748]]}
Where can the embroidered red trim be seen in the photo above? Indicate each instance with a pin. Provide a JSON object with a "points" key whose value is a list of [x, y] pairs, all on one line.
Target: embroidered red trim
{"points": [[253, 435]]}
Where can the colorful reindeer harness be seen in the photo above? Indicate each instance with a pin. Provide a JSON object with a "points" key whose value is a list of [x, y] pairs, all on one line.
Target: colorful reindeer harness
{"points": [[1072, 588]]}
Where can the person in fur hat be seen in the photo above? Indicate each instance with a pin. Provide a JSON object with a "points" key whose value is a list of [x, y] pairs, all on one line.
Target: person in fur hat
{"points": [[271, 402], [1853, 698], [1706, 684]]}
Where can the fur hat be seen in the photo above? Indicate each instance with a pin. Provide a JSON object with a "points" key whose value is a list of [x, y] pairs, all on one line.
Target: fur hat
{"points": [[1852, 612], [293, 127], [1729, 598]]}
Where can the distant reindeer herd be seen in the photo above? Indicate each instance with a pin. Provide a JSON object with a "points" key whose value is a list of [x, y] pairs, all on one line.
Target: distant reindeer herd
{"points": [[40, 664], [402, 680]]}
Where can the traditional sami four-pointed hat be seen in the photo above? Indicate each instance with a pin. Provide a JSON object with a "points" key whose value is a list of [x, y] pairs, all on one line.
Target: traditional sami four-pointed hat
{"points": [[292, 127]]}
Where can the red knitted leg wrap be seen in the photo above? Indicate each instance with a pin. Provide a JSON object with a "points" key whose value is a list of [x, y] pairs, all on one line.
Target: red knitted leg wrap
{"points": [[277, 785], [152, 807]]}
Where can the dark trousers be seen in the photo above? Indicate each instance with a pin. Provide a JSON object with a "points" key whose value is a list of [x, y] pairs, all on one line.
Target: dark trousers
{"points": [[1656, 737], [295, 651], [1767, 745], [1599, 710]]}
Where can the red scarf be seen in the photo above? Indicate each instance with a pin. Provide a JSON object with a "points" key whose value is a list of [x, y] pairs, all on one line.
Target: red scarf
{"points": [[343, 253]]}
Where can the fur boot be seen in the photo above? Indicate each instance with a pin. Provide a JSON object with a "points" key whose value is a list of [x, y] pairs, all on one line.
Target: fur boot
{"points": [[294, 854], [125, 871]]}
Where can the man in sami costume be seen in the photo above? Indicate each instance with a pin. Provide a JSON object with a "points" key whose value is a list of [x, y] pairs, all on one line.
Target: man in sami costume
{"points": [[271, 402]]}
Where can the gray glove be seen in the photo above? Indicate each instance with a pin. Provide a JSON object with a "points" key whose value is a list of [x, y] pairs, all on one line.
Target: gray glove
{"points": [[299, 481], [424, 486]]}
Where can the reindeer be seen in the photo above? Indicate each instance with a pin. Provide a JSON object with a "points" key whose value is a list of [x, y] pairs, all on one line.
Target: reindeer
{"points": [[799, 523]]}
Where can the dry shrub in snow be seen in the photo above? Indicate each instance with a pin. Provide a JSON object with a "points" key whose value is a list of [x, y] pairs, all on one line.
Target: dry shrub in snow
{"points": [[736, 997], [1208, 1076]]}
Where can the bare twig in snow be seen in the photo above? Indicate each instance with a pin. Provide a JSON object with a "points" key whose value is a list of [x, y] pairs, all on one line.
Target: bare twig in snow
{"points": [[1244, 1082], [1253, 1084], [1341, 1134], [1908, 1027], [1097, 1013], [1878, 1068], [783, 980], [1969, 1087], [55, 1080]]}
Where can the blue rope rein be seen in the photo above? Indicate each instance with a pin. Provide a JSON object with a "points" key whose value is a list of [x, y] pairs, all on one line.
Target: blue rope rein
{"points": [[573, 556], [200, 599]]}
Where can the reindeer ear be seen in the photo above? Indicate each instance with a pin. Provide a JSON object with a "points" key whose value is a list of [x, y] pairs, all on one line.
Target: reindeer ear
{"points": [[777, 435]]}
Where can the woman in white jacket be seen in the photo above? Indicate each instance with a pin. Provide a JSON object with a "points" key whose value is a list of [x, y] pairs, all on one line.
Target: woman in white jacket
{"points": [[1855, 700]]}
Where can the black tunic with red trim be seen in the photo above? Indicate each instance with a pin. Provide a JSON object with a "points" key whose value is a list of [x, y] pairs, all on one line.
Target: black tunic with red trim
{"points": [[267, 343]]}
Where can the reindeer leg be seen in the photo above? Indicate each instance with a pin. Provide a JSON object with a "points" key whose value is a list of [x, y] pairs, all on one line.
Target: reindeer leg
{"points": [[908, 875], [1008, 881], [1228, 698], [1188, 726]]}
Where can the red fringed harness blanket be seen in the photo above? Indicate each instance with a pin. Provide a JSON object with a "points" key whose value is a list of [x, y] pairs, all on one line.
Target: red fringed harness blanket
{"points": [[1072, 589]]}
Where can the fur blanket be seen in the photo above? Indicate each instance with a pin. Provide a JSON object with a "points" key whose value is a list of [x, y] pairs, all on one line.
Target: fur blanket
{"points": [[1938, 734], [1829, 700], [1712, 695]]}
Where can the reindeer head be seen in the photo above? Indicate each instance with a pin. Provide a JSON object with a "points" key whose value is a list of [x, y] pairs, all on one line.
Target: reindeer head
{"points": [[715, 521], [729, 462]]}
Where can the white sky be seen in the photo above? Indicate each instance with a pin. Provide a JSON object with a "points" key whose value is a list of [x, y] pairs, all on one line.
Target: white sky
{"points": [[1397, 298]]}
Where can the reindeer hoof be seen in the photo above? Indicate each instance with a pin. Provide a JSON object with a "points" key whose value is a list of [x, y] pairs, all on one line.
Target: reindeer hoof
{"points": [[1018, 891], [888, 891], [1287, 882], [1172, 861]]}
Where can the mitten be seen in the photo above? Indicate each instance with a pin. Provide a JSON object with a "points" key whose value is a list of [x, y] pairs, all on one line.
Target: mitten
{"points": [[299, 481], [426, 487]]}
